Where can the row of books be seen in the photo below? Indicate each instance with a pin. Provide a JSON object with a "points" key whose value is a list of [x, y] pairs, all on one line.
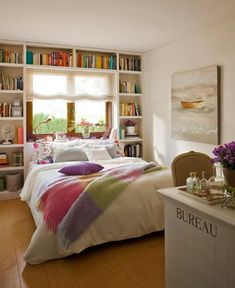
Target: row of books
{"points": [[11, 83], [8, 56], [129, 63], [129, 109], [58, 58], [129, 87], [5, 110], [132, 150], [96, 61]]}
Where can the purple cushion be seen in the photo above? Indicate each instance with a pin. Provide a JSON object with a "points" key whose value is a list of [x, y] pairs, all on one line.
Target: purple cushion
{"points": [[81, 169]]}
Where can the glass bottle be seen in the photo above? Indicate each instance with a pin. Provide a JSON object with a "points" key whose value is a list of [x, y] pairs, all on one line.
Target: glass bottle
{"points": [[189, 183], [215, 184], [203, 183]]}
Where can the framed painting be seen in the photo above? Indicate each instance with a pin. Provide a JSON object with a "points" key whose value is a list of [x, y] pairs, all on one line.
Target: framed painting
{"points": [[195, 105]]}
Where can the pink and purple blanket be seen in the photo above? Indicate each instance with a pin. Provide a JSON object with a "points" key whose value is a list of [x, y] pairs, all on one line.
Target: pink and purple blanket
{"points": [[71, 204]]}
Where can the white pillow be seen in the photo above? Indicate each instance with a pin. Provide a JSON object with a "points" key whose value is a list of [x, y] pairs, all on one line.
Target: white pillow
{"points": [[97, 154], [74, 153]]}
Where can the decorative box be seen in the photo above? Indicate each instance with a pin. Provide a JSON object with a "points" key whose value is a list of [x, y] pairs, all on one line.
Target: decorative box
{"points": [[17, 111]]}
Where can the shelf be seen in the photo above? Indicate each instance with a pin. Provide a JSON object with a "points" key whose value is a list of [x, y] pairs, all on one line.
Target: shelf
{"points": [[131, 139], [130, 94], [11, 146], [7, 195], [11, 168], [69, 69], [130, 117], [11, 92], [130, 72], [11, 118], [14, 65]]}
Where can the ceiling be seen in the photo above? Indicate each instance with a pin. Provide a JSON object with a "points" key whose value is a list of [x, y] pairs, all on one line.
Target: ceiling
{"points": [[134, 25]]}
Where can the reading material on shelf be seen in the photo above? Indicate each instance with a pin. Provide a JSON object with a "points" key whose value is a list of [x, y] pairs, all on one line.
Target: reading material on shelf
{"points": [[9, 56], [20, 135], [129, 87], [3, 159], [132, 150], [129, 109], [129, 63], [55, 58], [90, 60], [10, 83]]}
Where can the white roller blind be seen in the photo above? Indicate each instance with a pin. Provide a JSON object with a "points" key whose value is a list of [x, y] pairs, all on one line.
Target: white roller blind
{"points": [[69, 86]]}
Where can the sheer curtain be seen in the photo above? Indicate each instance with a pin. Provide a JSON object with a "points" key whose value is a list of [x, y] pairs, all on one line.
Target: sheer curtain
{"points": [[43, 84]]}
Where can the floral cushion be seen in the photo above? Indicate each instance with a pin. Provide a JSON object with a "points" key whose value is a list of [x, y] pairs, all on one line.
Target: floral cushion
{"points": [[43, 152]]}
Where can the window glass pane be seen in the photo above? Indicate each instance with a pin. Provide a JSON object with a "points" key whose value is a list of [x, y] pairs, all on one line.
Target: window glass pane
{"points": [[92, 85], [49, 84], [90, 113], [55, 111]]}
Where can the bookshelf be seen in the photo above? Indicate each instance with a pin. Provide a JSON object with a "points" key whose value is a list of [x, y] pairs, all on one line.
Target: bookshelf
{"points": [[130, 97], [18, 58], [12, 99]]}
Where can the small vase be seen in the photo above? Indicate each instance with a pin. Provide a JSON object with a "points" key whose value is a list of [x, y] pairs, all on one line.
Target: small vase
{"points": [[229, 177], [86, 132]]}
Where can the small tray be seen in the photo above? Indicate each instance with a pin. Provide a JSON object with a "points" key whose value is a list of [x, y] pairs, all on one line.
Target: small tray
{"points": [[214, 198]]}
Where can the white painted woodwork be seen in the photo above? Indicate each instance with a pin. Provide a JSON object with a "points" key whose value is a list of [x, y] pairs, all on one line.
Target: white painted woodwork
{"points": [[22, 69], [199, 243]]}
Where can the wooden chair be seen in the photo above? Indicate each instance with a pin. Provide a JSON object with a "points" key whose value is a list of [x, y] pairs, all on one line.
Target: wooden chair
{"points": [[188, 162]]}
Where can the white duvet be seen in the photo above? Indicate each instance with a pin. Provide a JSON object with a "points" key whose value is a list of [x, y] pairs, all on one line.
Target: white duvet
{"points": [[138, 210]]}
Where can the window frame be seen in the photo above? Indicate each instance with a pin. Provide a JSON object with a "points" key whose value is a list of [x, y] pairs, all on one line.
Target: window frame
{"points": [[70, 117]]}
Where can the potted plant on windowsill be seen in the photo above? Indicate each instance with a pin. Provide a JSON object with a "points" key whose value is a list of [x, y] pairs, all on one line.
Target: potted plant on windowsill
{"points": [[130, 127], [85, 128]]}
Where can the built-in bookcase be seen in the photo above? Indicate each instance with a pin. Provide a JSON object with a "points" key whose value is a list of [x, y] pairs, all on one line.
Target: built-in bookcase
{"points": [[18, 58], [130, 95], [12, 110]]}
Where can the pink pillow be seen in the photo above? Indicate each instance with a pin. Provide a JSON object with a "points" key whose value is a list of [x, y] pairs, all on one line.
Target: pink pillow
{"points": [[81, 169]]}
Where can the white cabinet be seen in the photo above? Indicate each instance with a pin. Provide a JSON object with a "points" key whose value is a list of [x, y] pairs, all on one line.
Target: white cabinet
{"points": [[199, 242]]}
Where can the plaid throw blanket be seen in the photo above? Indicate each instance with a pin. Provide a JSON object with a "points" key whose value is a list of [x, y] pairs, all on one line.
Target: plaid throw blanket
{"points": [[70, 205]]}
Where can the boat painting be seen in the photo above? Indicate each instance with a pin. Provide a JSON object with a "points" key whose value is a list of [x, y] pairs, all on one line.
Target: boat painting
{"points": [[197, 104], [194, 98]]}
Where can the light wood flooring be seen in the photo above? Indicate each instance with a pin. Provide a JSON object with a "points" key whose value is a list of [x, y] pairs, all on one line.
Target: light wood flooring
{"points": [[131, 263]]}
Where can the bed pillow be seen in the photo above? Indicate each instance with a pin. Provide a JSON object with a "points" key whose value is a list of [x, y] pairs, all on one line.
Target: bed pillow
{"points": [[94, 154], [69, 154], [43, 152], [81, 169]]}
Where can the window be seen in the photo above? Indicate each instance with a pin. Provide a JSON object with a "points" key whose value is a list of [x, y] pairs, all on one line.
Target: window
{"points": [[95, 115], [67, 99]]}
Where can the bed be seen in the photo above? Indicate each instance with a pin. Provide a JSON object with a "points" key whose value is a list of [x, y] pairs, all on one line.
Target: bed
{"points": [[136, 211]]}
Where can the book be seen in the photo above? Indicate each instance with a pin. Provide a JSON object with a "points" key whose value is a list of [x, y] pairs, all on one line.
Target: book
{"points": [[20, 135]]}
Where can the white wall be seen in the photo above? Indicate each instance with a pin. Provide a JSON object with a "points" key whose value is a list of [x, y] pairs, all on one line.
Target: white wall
{"points": [[214, 46]]}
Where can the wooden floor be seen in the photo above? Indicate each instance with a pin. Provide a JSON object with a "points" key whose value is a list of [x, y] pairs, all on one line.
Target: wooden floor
{"points": [[132, 263]]}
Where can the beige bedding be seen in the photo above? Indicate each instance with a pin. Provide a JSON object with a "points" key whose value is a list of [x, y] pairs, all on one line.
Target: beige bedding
{"points": [[137, 211]]}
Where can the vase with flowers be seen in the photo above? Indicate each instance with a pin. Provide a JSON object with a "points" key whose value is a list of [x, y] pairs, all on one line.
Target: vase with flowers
{"points": [[85, 128], [130, 126], [225, 156]]}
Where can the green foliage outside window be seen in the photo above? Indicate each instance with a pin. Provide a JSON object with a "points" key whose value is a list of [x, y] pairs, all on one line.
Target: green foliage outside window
{"points": [[60, 125], [55, 125]]}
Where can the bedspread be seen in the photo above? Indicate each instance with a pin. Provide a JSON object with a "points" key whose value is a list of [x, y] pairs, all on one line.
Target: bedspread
{"points": [[74, 203], [136, 211]]}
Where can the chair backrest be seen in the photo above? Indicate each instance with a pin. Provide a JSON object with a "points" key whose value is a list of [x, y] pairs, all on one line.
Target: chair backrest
{"points": [[188, 162]]}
